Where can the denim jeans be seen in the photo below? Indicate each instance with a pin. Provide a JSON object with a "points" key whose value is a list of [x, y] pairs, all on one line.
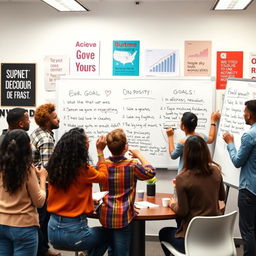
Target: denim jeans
{"points": [[120, 241], [168, 234], [74, 234], [18, 241], [247, 220]]}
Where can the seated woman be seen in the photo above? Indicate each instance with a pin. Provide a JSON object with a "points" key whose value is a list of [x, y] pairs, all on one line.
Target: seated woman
{"points": [[70, 194], [199, 188], [20, 195], [188, 125]]}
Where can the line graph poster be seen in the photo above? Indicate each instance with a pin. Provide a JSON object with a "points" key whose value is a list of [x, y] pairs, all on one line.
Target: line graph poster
{"points": [[197, 58], [161, 62]]}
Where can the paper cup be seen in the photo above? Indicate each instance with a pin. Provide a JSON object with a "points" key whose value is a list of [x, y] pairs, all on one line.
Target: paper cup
{"points": [[165, 201], [140, 194]]}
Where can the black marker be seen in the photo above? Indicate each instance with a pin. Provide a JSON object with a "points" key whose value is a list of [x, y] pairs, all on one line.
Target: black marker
{"points": [[174, 128]]}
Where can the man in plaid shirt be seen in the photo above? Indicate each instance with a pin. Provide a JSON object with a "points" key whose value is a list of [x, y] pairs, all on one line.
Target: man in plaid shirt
{"points": [[42, 141]]}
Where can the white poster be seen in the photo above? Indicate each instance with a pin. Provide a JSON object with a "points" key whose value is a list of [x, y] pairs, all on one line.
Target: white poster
{"points": [[85, 58], [55, 66], [162, 62]]}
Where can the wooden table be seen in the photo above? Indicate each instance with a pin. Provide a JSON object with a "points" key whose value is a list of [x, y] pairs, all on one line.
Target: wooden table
{"points": [[147, 214]]}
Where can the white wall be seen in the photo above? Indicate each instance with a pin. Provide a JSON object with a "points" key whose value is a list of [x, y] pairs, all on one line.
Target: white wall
{"points": [[31, 31]]}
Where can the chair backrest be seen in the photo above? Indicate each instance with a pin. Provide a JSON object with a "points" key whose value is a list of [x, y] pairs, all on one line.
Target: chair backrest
{"points": [[211, 236]]}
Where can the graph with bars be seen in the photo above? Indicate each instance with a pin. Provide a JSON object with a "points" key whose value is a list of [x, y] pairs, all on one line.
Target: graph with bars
{"points": [[165, 64]]}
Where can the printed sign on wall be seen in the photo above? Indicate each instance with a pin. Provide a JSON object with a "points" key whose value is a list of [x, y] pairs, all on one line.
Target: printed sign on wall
{"points": [[126, 58], [18, 84], [229, 65], [197, 58], [85, 59], [252, 65]]}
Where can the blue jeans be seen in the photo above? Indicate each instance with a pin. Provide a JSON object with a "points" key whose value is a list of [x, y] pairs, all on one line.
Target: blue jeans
{"points": [[247, 220], [120, 241], [74, 234], [18, 241], [168, 234]]}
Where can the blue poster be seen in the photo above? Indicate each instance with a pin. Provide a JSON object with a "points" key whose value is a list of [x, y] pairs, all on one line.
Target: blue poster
{"points": [[126, 58]]}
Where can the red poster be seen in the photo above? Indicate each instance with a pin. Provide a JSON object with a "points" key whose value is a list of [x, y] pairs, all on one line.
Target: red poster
{"points": [[229, 64]]}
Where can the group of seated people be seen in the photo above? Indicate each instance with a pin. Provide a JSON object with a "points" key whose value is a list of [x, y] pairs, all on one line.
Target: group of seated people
{"points": [[199, 188]]}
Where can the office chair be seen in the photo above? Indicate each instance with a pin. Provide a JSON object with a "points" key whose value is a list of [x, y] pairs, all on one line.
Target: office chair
{"points": [[208, 236]]}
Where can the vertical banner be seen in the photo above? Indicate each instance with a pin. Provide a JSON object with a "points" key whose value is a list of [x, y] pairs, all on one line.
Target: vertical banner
{"points": [[18, 82], [126, 58], [229, 65], [252, 65], [197, 58], [55, 66], [162, 62], [85, 58]]}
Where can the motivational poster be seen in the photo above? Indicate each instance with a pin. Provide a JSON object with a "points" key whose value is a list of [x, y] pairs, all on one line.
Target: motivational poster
{"points": [[85, 58], [197, 58], [229, 65], [55, 66], [126, 58], [252, 65], [18, 84]]}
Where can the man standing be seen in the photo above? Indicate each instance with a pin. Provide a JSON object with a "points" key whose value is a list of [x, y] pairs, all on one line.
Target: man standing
{"points": [[245, 158], [17, 118], [42, 140]]}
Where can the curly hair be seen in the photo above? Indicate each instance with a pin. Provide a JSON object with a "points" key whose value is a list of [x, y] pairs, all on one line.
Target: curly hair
{"points": [[15, 159], [42, 113], [116, 141], [69, 154]]}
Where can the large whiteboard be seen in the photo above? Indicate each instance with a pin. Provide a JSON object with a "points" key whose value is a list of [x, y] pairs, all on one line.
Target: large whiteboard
{"points": [[142, 107], [238, 91]]}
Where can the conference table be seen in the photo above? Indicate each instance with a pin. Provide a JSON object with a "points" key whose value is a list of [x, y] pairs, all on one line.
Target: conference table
{"points": [[138, 245]]}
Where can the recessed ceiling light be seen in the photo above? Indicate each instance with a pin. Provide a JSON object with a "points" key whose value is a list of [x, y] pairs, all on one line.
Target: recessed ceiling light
{"points": [[231, 4], [66, 5]]}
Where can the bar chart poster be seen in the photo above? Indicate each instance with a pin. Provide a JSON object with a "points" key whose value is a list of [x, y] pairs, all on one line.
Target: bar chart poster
{"points": [[229, 65], [197, 58], [126, 58], [161, 62]]}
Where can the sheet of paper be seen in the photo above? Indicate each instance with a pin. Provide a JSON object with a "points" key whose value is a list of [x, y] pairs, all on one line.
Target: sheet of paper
{"points": [[145, 204], [99, 195]]}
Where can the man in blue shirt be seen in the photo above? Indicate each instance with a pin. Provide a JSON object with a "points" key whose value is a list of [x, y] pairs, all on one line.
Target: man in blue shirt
{"points": [[245, 158]]}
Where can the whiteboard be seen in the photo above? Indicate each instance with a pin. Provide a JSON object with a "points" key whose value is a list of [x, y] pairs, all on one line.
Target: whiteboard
{"points": [[238, 91], [142, 107]]}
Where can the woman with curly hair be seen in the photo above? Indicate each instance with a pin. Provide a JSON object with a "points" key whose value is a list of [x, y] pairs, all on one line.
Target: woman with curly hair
{"points": [[70, 194], [20, 194]]}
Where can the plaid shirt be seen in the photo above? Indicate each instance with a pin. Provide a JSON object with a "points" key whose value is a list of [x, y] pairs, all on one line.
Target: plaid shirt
{"points": [[42, 145], [117, 209]]}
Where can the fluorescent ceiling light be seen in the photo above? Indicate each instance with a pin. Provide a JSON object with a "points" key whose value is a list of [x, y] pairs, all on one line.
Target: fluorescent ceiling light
{"points": [[231, 4], [66, 5]]}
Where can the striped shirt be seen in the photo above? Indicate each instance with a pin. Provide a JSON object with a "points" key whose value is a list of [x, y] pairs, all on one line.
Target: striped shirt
{"points": [[117, 209], [42, 142]]}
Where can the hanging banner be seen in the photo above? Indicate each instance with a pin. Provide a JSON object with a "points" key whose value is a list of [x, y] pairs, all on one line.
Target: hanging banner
{"points": [[229, 65], [55, 66], [18, 84], [126, 58], [252, 65], [85, 58], [197, 58]]}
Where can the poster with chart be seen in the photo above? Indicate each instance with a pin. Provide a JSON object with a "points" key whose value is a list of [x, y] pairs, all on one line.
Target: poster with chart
{"points": [[161, 62], [197, 58], [142, 107], [238, 91], [126, 58]]}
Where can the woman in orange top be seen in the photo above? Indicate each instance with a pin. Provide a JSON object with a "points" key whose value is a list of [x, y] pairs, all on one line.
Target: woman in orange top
{"points": [[70, 194]]}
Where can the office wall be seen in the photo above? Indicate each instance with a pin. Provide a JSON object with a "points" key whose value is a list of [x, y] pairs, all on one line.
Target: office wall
{"points": [[31, 31]]}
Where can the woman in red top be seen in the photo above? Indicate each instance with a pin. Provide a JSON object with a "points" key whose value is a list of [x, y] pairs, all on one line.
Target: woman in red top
{"points": [[70, 194]]}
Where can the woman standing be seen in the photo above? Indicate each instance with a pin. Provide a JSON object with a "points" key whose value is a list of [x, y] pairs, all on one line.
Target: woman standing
{"points": [[70, 194], [199, 188], [20, 195], [188, 125]]}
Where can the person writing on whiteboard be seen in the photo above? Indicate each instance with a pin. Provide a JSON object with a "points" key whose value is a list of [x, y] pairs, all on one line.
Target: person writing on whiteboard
{"points": [[117, 210], [188, 125], [245, 157], [199, 188]]}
